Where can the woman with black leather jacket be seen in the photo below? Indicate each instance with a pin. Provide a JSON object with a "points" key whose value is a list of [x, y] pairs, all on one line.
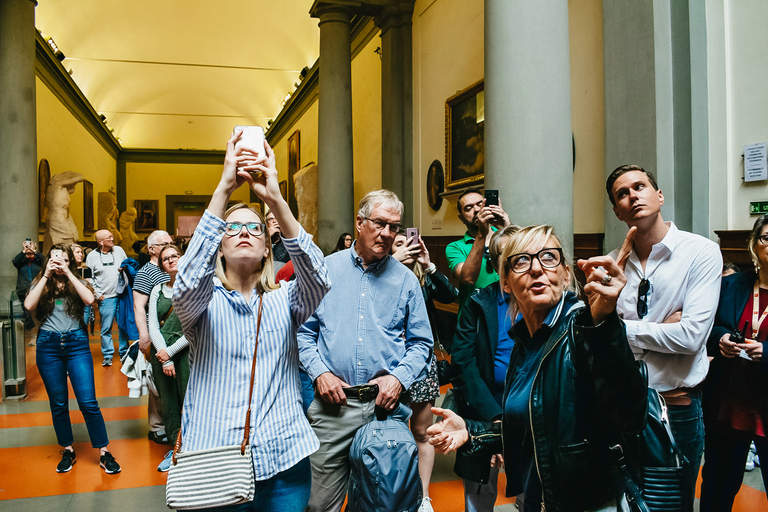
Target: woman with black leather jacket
{"points": [[435, 287], [572, 383]]}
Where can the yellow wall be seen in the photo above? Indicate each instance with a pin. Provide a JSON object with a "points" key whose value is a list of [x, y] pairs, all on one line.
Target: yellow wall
{"points": [[366, 119], [307, 127], [747, 95], [587, 114], [445, 61], [68, 146], [156, 181]]}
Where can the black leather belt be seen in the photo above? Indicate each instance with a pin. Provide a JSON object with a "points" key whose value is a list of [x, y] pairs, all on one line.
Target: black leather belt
{"points": [[363, 392]]}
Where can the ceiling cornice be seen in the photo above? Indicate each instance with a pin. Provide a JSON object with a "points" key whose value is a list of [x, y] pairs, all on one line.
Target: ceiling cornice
{"points": [[172, 156], [54, 75]]}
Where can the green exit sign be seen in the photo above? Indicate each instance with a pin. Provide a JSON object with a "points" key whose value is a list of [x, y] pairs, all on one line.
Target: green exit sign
{"points": [[758, 207]]}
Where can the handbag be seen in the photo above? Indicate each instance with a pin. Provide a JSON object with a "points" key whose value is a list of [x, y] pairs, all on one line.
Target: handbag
{"points": [[652, 473], [214, 477]]}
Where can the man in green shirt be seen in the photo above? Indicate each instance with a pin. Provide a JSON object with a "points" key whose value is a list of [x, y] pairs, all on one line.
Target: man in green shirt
{"points": [[468, 257]]}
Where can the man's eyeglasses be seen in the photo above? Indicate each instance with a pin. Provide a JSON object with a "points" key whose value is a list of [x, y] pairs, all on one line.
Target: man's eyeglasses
{"points": [[379, 224], [521, 263], [642, 297], [235, 228], [172, 257], [165, 244], [763, 239]]}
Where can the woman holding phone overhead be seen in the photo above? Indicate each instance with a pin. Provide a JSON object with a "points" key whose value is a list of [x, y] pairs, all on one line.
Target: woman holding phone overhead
{"points": [[59, 296], [223, 288]]}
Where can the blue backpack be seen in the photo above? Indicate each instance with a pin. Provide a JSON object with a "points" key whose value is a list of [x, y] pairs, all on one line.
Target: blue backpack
{"points": [[384, 466]]}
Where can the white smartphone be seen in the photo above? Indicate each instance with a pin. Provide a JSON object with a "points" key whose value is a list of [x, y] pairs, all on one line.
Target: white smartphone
{"points": [[252, 139], [57, 254]]}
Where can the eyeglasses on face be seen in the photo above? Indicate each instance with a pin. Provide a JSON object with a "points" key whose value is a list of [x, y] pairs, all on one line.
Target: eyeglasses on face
{"points": [[379, 224], [235, 228], [642, 297], [172, 257], [763, 239], [521, 262], [164, 244]]}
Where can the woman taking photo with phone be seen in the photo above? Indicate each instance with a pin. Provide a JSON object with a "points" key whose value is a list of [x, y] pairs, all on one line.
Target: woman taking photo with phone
{"points": [[59, 296], [223, 281]]}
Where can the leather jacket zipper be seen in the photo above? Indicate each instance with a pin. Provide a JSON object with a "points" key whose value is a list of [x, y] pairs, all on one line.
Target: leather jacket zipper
{"points": [[530, 409]]}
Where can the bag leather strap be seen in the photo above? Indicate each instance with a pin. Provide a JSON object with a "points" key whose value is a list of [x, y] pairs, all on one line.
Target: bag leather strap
{"points": [[162, 322], [247, 429]]}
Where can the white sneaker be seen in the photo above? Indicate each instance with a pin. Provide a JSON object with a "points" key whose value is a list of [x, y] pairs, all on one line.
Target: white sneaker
{"points": [[750, 461], [425, 505]]}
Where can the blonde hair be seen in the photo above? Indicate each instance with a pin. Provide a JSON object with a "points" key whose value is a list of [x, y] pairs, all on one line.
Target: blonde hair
{"points": [[517, 243], [266, 280], [496, 246]]}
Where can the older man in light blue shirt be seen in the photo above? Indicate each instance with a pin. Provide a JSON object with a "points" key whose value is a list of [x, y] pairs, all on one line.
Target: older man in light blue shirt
{"points": [[373, 319]]}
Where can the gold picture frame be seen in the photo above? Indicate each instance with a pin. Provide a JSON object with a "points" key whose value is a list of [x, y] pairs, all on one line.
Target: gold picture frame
{"points": [[464, 141]]}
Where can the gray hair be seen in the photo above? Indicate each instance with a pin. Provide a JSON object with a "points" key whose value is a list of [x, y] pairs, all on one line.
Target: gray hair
{"points": [[154, 236], [378, 198]]}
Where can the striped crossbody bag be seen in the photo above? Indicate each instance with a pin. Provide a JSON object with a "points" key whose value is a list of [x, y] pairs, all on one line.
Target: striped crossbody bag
{"points": [[214, 477]]}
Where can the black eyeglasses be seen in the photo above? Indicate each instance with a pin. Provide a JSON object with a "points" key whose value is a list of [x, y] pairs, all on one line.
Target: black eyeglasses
{"points": [[235, 228], [379, 224], [642, 297], [763, 239], [172, 257], [521, 262]]}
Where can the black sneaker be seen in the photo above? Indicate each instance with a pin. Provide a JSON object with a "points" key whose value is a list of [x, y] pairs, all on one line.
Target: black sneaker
{"points": [[67, 461], [108, 462], [158, 438]]}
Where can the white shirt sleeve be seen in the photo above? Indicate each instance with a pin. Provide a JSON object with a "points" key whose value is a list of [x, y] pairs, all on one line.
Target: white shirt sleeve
{"points": [[153, 323]]}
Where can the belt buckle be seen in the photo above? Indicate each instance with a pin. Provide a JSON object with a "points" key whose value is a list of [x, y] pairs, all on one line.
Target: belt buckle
{"points": [[368, 392]]}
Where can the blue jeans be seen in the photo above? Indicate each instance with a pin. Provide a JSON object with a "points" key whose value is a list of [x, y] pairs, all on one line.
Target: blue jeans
{"points": [[59, 354], [285, 492], [108, 312], [687, 424]]}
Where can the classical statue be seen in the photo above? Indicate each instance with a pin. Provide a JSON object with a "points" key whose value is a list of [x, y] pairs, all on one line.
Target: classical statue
{"points": [[60, 227], [109, 215], [127, 222]]}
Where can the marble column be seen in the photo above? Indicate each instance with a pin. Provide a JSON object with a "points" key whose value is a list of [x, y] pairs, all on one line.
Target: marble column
{"points": [[18, 138], [528, 151], [395, 22], [335, 209]]}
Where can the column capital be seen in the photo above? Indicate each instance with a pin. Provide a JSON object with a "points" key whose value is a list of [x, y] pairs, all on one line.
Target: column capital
{"points": [[395, 13], [346, 7]]}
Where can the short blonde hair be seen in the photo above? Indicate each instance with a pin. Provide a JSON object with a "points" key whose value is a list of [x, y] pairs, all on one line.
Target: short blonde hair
{"points": [[525, 237], [266, 273], [497, 244]]}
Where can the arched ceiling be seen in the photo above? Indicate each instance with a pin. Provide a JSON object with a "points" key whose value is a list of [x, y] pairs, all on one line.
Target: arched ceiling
{"points": [[180, 75]]}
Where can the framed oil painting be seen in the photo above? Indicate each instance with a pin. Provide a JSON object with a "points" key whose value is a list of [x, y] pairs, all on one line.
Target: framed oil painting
{"points": [[464, 142], [88, 207], [146, 215], [435, 178]]}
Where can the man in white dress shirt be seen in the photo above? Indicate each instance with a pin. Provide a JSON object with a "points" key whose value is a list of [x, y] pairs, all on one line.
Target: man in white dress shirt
{"points": [[668, 306]]}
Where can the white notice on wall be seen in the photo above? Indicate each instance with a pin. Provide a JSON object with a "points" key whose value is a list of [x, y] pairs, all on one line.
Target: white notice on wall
{"points": [[755, 162]]}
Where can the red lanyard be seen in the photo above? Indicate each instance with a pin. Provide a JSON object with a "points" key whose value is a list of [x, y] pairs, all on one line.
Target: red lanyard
{"points": [[755, 308]]}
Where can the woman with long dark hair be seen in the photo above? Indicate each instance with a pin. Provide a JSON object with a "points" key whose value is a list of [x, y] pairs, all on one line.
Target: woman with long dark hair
{"points": [[59, 296]]}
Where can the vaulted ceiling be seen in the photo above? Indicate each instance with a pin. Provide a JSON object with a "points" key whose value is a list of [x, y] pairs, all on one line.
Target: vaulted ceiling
{"points": [[180, 75]]}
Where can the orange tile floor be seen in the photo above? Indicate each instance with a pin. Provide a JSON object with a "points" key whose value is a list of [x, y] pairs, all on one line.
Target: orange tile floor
{"points": [[29, 453]]}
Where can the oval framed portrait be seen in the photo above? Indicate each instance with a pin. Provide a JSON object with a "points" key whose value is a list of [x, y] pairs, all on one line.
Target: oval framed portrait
{"points": [[43, 180], [435, 185]]}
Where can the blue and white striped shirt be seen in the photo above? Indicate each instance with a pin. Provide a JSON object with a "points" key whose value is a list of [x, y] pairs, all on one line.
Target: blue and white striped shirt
{"points": [[221, 328], [373, 319]]}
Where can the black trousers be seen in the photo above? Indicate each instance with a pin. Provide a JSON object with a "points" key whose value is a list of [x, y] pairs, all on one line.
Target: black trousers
{"points": [[723, 471]]}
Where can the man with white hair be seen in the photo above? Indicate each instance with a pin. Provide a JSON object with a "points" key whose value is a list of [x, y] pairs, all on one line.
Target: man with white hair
{"points": [[147, 278], [106, 264], [373, 321]]}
